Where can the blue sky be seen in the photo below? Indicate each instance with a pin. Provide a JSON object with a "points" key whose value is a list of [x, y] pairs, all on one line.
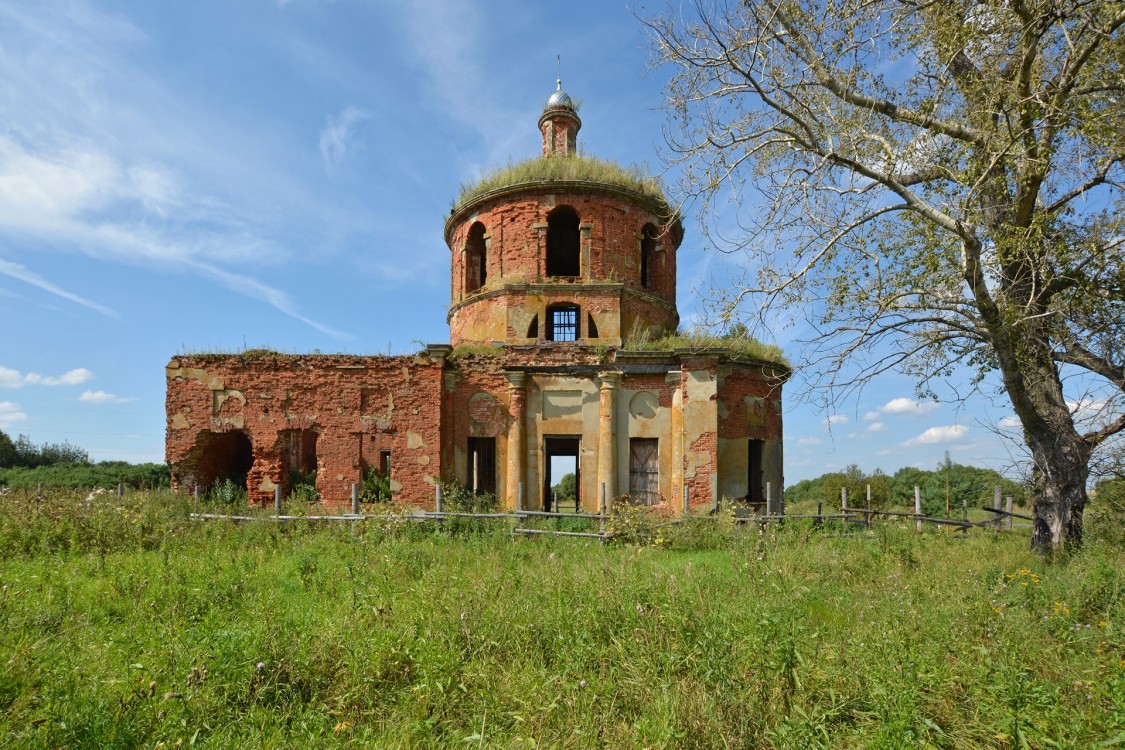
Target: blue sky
{"points": [[206, 175]]}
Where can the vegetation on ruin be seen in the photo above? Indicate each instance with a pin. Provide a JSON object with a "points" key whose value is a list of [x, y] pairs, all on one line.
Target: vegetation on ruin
{"points": [[577, 168], [126, 624], [738, 343]]}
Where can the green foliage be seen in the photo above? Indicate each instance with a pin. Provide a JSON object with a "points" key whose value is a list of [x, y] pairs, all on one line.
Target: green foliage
{"points": [[568, 168], [972, 484], [302, 487], [456, 498], [23, 453], [227, 492], [376, 487], [567, 488], [107, 474], [741, 345], [7, 451], [125, 624]]}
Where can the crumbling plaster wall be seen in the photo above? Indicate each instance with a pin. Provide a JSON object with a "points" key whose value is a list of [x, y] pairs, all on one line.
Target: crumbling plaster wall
{"points": [[357, 405], [749, 408]]}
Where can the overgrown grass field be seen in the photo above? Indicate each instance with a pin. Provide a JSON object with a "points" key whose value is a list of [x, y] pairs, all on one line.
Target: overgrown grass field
{"points": [[125, 624]]}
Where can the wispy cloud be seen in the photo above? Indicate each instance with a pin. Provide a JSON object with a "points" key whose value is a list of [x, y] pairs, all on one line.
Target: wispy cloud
{"points": [[809, 441], [834, 419], [1009, 423], [337, 137], [908, 406], [876, 427], [101, 397], [871, 415], [10, 414], [943, 434], [10, 378], [170, 186], [22, 273]]}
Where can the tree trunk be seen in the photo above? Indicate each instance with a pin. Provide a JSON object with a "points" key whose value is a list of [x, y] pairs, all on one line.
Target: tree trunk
{"points": [[1061, 470]]}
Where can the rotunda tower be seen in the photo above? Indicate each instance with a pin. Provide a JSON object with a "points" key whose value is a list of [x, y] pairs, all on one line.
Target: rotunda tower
{"points": [[563, 249]]}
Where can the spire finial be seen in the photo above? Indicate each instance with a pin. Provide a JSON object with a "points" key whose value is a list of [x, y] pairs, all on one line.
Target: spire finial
{"points": [[558, 81]]}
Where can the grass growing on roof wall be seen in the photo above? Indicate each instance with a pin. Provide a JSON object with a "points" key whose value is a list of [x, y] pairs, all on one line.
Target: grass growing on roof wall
{"points": [[577, 167], [741, 345], [134, 626]]}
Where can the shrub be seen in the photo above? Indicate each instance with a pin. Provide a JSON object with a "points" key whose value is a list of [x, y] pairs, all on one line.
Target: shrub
{"points": [[376, 487]]}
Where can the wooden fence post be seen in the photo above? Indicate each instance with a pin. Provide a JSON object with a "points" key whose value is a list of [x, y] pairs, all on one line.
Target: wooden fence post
{"points": [[277, 499], [1008, 509], [355, 499], [867, 516], [120, 489], [917, 507], [437, 498], [819, 514]]}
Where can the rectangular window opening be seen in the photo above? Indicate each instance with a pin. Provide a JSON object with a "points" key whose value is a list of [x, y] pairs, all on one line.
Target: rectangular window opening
{"points": [[562, 323]]}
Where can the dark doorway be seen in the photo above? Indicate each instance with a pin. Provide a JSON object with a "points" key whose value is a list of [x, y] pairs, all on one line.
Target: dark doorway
{"points": [[482, 465], [755, 490], [560, 458], [563, 245], [223, 456], [644, 470]]}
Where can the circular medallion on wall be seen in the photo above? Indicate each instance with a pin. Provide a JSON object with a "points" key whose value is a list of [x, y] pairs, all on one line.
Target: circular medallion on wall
{"points": [[644, 405], [487, 415]]}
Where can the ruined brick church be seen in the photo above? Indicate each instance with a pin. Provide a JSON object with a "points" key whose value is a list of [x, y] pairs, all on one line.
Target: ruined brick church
{"points": [[563, 285]]}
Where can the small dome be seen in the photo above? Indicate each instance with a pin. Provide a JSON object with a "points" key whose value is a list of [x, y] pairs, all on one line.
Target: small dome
{"points": [[559, 98]]}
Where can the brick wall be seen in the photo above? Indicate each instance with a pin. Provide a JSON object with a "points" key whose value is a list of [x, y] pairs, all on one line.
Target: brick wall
{"points": [[515, 225], [357, 406]]}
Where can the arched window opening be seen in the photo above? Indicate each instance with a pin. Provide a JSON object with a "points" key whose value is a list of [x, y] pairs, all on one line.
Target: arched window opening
{"points": [[562, 323], [533, 329], [476, 265], [563, 245], [591, 328], [648, 256]]}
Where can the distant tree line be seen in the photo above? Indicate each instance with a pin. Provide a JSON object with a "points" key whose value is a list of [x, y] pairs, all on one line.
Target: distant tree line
{"points": [[951, 480], [23, 464], [23, 452]]}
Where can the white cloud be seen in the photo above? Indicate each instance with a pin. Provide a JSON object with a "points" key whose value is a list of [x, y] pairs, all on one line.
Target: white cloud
{"points": [[101, 397], [835, 419], [876, 427], [10, 378], [809, 441], [10, 414], [165, 185], [1009, 423], [22, 273], [871, 415], [908, 406], [338, 135], [942, 434]]}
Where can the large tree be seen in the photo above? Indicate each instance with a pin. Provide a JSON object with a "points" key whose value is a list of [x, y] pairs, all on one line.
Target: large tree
{"points": [[936, 183]]}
